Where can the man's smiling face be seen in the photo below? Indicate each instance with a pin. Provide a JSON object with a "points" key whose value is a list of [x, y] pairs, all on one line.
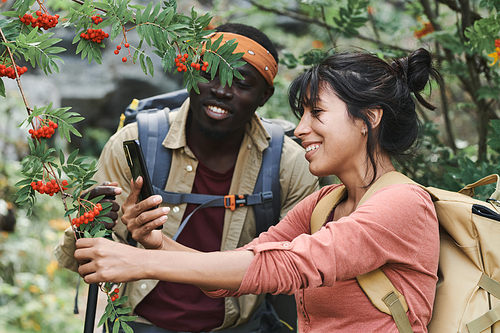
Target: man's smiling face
{"points": [[219, 110]]}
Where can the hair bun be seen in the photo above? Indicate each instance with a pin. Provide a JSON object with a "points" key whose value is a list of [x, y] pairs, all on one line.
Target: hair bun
{"points": [[416, 71]]}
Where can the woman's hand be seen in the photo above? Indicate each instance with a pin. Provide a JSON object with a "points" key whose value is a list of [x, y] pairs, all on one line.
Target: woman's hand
{"points": [[140, 220], [102, 260]]}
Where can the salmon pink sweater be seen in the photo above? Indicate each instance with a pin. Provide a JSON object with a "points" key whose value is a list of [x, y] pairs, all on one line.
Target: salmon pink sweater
{"points": [[396, 229]]}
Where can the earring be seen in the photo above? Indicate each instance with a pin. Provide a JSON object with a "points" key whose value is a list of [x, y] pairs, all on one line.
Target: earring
{"points": [[364, 132]]}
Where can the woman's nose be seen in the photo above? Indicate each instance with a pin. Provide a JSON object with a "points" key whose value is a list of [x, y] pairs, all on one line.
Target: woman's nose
{"points": [[303, 127]]}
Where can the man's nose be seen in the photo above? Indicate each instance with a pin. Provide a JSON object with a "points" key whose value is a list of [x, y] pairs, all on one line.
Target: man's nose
{"points": [[222, 92]]}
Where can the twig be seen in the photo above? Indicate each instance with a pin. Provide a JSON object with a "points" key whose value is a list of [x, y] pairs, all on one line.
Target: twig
{"points": [[334, 41], [28, 109]]}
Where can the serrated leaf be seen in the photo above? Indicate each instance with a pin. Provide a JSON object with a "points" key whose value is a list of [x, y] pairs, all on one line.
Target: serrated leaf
{"points": [[103, 319], [127, 328], [150, 66], [2, 88], [143, 65], [72, 156]]}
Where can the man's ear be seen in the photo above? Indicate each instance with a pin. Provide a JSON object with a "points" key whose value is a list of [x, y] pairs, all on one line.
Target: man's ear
{"points": [[375, 117], [266, 95]]}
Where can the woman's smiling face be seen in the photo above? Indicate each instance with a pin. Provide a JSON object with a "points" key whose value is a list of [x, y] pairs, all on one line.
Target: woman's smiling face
{"points": [[333, 141]]}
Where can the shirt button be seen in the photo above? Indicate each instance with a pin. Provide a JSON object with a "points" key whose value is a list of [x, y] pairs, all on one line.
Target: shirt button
{"points": [[175, 209], [249, 146], [300, 300], [189, 168], [143, 286], [286, 244]]}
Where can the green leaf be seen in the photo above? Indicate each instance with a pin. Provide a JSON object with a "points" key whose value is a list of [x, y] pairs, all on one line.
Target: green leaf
{"points": [[143, 65], [2, 88], [72, 156], [150, 65], [103, 319]]}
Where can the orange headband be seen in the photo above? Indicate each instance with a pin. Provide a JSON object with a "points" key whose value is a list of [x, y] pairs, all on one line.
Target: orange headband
{"points": [[253, 53]]}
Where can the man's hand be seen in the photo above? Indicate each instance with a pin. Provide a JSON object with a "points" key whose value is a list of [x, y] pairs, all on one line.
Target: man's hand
{"points": [[140, 220], [103, 260], [109, 190]]}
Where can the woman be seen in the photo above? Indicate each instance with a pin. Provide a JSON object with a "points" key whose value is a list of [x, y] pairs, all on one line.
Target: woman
{"points": [[357, 114]]}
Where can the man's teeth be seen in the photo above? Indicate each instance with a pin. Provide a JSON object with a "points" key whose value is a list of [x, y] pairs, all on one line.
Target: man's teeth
{"points": [[312, 147], [217, 109]]}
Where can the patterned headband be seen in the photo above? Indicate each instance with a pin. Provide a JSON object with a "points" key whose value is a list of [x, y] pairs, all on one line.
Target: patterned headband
{"points": [[253, 53]]}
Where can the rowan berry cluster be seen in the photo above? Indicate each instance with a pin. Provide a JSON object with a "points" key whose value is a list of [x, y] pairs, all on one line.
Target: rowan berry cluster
{"points": [[180, 62], [119, 47], [497, 42], [51, 187], [96, 19], [87, 216], [114, 294], [43, 21], [10, 72], [44, 131], [95, 35]]}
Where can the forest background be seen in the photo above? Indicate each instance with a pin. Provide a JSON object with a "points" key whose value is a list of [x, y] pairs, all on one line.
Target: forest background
{"points": [[461, 141]]}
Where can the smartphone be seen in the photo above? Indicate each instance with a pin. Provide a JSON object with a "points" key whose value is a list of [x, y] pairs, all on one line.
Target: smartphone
{"points": [[137, 165]]}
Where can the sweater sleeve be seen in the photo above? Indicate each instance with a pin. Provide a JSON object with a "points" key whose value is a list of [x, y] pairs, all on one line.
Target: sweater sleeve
{"points": [[396, 226]]}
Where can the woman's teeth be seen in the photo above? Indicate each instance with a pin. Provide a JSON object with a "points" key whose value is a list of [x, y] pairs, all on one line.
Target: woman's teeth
{"points": [[312, 147]]}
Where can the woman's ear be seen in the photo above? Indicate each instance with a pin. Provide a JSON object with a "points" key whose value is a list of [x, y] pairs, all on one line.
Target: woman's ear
{"points": [[375, 117]]}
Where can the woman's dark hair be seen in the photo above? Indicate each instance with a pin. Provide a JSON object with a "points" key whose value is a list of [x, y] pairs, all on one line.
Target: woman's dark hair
{"points": [[252, 33], [363, 81]]}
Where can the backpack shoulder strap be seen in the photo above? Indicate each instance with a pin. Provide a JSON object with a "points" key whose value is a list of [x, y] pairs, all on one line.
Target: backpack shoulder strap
{"points": [[385, 297], [375, 284], [153, 128], [324, 207], [268, 180]]}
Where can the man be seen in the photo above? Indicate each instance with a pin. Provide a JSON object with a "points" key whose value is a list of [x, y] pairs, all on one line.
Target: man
{"points": [[217, 142]]}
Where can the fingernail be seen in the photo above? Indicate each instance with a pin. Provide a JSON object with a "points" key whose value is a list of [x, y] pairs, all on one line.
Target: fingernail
{"points": [[163, 218], [166, 210], [158, 199]]}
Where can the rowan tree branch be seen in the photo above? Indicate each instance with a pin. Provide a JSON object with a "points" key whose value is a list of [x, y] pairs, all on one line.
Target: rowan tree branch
{"points": [[307, 19]]}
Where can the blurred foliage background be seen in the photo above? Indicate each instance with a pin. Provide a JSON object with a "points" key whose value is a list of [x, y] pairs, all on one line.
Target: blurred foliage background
{"points": [[460, 144]]}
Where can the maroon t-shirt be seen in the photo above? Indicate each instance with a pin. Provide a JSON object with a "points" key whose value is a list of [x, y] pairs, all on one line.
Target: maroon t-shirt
{"points": [[184, 307]]}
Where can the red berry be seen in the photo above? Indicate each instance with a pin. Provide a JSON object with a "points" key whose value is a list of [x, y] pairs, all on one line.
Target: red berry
{"points": [[118, 47], [186, 55], [205, 64], [124, 59], [126, 45], [116, 51]]}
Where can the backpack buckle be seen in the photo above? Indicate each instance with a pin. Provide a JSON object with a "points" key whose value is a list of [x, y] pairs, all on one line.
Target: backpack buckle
{"points": [[267, 196], [232, 201]]}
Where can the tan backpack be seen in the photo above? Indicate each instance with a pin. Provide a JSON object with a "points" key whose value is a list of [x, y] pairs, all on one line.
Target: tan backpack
{"points": [[468, 290]]}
